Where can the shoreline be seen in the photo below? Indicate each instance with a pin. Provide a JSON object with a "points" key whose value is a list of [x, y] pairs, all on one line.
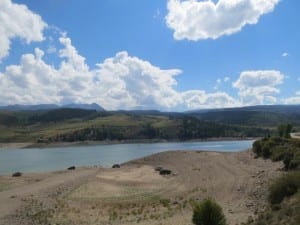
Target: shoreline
{"points": [[237, 176], [25, 145]]}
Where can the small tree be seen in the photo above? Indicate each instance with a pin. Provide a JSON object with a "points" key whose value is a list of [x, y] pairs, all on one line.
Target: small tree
{"points": [[284, 130], [208, 212]]}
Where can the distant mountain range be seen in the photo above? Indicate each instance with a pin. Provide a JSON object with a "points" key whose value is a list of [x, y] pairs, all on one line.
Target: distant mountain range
{"points": [[282, 109], [263, 115], [258, 108], [92, 106]]}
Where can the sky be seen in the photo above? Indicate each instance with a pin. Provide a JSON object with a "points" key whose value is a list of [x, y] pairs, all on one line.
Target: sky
{"points": [[169, 55]]}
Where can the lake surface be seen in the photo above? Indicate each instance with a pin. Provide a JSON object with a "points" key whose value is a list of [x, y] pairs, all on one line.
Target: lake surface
{"points": [[50, 159]]}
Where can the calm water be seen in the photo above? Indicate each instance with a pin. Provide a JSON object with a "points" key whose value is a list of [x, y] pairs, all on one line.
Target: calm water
{"points": [[50, 159]]}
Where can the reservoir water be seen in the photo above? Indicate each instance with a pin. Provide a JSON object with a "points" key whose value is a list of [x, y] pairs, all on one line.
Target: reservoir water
{"points": [[51, 159]]}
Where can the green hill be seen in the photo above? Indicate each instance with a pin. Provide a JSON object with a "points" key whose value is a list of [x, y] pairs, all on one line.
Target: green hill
{"points": [[68, 124]]}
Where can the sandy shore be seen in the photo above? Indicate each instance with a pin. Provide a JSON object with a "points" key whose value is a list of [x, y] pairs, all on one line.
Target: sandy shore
{"points": [[295, 135], [14, 145], [109, 142], [137, 194]]}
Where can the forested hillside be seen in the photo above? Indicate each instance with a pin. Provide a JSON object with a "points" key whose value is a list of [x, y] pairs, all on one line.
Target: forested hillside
{"points": [[67, 124], [262, 116]]}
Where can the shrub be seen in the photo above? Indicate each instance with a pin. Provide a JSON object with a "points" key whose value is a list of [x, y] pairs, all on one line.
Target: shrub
{"points": [[208, 212], [295, 162], [165, 202], [278, 153], [278, 149], [284, 186], [266, 151], [287, 160], [257, 146]]}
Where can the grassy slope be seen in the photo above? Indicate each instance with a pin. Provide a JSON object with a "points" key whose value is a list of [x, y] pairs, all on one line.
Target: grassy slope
{"points": [[31, 132]]}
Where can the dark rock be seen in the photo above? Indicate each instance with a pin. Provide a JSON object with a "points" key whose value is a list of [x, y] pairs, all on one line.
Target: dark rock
{"points": [[72, 168], [165, 172], [116, 166], [17, 174]]}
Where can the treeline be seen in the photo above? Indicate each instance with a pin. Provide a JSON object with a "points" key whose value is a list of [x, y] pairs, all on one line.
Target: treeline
{"points": [[25, 118], [251, 117], [185, 128], [193, 128]]}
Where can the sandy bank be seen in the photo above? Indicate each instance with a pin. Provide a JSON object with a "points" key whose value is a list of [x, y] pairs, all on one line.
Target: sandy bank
{"points": [[14, 145], [110, 142], [137, 194]]}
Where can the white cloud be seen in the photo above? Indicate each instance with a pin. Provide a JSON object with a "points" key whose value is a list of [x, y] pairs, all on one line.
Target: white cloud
{"points": [[259, 87], [119, 82], [29, 82], [122, 82], [17, 21], [197, 20], [292, 100], [129, 82], [198, 99], [285, 54]]}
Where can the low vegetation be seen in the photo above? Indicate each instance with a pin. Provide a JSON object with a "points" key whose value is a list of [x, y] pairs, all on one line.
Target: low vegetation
{"points": [[285, 186], [284, 199], [279, 149], [208, 212], [284, 195]]}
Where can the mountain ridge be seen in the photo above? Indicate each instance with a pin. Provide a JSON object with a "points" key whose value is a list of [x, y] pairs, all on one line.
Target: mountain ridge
{"points": [[37, 107]]}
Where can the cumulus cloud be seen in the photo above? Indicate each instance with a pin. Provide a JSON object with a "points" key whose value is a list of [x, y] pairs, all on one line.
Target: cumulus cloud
{"points": [[135, 83], [197, 20], [119, 82], [17, 21], [259, 87], [29, 81], [122, 82], [199, 99]]}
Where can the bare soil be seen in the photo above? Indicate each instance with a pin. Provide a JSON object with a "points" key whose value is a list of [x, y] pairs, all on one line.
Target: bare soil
{"points": [[137, 194]]}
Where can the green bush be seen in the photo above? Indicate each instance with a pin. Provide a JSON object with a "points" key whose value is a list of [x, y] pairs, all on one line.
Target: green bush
{"points": [[284, 186], [257, 147], [278, 153], [208, 212], [278, 149]]}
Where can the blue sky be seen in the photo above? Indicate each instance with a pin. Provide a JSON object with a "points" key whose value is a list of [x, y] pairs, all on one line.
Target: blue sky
{"points": [[171, 55]]}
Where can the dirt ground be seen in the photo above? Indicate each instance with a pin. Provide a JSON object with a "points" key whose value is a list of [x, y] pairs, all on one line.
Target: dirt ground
{"points": [[137, 194]]}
